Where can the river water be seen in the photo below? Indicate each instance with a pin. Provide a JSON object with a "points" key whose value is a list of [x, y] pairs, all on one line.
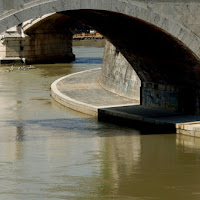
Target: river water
{"points": [[50, 152]]}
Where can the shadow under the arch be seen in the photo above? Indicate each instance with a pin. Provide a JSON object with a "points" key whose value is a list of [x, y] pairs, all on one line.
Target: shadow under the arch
{"points": [[146, 119]]}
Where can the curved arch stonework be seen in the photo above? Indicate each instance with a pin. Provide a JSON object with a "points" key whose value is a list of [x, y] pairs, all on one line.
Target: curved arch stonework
{"points": [[17, 11]]}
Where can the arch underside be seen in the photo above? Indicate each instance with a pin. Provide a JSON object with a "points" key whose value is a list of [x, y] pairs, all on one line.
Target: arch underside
{"points": [[155, 55]]}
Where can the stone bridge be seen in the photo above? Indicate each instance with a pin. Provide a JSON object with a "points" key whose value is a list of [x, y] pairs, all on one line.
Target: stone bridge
{"points": [[160, 39]]}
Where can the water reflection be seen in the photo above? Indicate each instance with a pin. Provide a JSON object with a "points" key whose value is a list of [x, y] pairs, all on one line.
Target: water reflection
{"points": [[188, 142], [121, 158], [11, 145], [96, 161], [20, 133]]}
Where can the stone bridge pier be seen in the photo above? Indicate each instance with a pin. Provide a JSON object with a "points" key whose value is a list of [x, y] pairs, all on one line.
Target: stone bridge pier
{"points": [[119, 77], [49, 41], [169, 97]]}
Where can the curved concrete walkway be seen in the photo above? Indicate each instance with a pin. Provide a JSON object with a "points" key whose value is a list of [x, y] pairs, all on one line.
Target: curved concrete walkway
{"points": [[82, 92]]}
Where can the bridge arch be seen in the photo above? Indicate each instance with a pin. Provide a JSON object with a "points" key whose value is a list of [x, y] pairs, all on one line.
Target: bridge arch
{"points": [[16, 12], [156, 56], [172, 57]]}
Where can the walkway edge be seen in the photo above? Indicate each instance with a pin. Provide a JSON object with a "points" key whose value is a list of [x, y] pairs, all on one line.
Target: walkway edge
{"points": [[78, 105], [183, 124], [71, 103]]}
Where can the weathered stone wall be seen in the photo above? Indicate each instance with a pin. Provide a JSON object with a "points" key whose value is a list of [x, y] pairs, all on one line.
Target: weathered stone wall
{"points": [[49, 41], [168, 97], [160, 96], [2, 50], [117, 74], [49, 47], [186, 12], [12, 46], [119, 77]]}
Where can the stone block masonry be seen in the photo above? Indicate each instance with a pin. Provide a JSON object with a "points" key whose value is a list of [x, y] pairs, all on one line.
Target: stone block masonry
{"points": [[159, 96], [49, 47], [168, 97], [118, 75], [49, 41]]}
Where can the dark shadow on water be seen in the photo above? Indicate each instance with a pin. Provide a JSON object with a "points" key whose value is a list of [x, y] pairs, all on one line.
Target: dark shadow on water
{"points": [[88, 60], [143, 128], [20, 133], [85, 127]]}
